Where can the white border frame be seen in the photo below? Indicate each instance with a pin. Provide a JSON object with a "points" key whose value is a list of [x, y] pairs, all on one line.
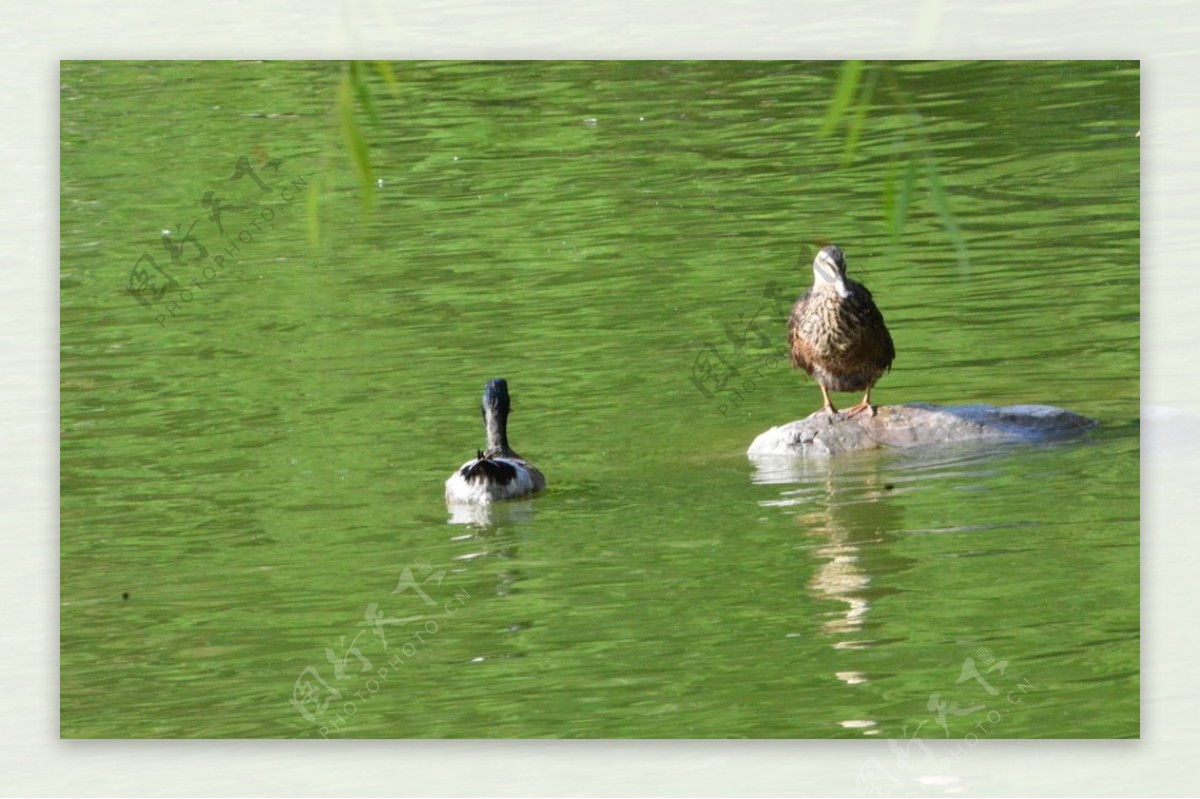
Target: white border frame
{"points": [[35, 762]]}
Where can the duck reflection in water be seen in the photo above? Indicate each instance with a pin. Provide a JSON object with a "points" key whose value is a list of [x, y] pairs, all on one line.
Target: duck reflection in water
{"points": [[846, 510], [491, 514]]}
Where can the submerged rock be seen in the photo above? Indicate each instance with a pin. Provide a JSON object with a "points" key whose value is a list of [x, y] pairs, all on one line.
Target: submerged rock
{"points": [[918, 425]]}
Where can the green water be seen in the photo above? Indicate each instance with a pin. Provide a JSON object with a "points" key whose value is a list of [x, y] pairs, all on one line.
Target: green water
{"points": [[252, 473]]}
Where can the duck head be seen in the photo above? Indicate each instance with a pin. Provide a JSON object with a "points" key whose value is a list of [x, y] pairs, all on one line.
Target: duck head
{"points": [[829, 271]]}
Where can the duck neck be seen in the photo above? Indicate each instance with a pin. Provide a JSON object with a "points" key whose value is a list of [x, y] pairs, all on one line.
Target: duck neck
{"points": [[837, 287], [495, 422]]}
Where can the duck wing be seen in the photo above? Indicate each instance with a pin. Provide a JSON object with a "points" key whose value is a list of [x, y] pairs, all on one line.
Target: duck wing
{"points": [[797, 345], [496, 471], [876, 345]]}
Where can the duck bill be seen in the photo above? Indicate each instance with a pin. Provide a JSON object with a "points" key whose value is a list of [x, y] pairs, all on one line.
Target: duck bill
{"points": [[839, 285]]}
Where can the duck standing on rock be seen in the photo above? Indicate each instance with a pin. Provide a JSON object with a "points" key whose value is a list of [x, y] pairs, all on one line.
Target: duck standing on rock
{"points": [[497, 472], [837, 335]]}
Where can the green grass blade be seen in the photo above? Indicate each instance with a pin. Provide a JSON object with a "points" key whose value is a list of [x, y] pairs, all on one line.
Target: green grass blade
{"points": [[362, 90], [359, 154], [313, 212], [843, 94], [898, 187], [854, 128], [384, 70], [941, 206], [904, 197], [887, 201]]}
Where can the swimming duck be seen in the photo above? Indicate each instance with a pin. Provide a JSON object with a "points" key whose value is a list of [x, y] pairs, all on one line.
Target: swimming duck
{"points": [[837, 335], [497, 472]]}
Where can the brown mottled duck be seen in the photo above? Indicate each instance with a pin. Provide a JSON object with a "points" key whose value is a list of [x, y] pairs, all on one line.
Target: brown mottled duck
{"points": [[837, 335]]}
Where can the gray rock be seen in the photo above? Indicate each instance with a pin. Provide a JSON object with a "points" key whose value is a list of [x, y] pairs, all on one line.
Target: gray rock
{"points": [[918, 425]]}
